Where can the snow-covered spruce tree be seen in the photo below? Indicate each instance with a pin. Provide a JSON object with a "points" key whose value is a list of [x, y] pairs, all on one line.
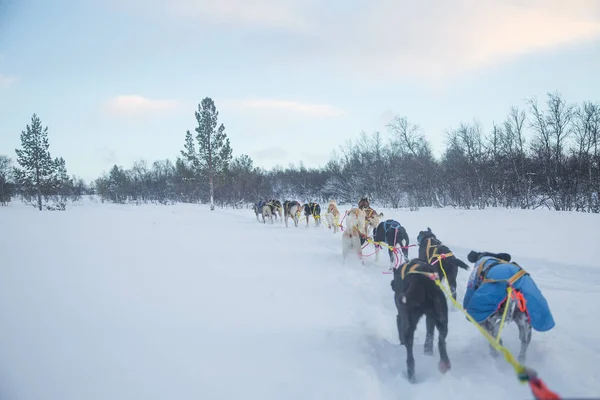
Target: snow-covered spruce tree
{"points": [[214, 151], [39, 176]]}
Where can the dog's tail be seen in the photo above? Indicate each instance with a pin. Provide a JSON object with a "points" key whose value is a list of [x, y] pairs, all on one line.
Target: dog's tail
{"points": [[461, 264], [404, 237]]}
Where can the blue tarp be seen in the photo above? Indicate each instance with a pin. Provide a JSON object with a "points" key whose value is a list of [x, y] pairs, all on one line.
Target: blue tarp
{"points": [[484, 301]]}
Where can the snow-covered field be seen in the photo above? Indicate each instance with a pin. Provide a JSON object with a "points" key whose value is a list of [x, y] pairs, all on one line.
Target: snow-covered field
{"points": [[177, 302]]}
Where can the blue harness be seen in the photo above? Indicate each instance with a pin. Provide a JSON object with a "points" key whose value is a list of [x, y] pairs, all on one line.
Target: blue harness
{"points": [[390, 224]]}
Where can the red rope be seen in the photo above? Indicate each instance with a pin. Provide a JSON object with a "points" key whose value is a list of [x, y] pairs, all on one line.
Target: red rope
{"points": [[540, 391], [538, 388]]}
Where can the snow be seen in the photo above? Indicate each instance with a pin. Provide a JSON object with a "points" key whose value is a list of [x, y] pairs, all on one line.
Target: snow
{"points": [[177, 302]]}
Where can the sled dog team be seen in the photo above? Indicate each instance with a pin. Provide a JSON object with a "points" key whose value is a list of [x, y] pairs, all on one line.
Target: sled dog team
{"points": [[273, 209], [497, 289]]}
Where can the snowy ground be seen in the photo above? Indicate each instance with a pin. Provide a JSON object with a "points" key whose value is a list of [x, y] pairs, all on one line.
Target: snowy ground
{"points": [[177, 302]]}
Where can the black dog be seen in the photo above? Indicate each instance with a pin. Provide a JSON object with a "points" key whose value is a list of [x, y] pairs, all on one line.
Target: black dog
{"points": [[430, 250], [313, 209], [415, 295], [392, 233]]}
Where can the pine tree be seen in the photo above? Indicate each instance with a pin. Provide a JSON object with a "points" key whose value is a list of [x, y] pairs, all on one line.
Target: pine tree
{"points": [[190, 151], [36, 177], [62, 185], [214, 151], [6, 187]]}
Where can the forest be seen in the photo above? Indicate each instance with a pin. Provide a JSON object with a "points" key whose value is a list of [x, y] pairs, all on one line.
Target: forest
{"points": [[539, 155]]}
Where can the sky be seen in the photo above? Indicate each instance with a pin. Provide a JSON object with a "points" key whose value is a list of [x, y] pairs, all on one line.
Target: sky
{"points": [[117, 81]]}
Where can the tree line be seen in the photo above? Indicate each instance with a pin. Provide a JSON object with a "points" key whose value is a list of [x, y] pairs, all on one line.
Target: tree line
{"points": [[537, 156]]}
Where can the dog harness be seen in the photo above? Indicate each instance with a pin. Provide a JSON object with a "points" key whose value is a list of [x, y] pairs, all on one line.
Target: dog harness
{"points": [[390, 224], [412, 267], [483, 269], [433, 253], [312, 207], [369, 212], [274, 203], [516, 295]]}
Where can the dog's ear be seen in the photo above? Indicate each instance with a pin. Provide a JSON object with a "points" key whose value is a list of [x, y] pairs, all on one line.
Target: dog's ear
{"points": [[428, 229], [473, 256], [504, 256]]}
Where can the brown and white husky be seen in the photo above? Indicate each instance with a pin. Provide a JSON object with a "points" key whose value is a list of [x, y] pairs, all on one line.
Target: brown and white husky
{"points": [[333, 216]]}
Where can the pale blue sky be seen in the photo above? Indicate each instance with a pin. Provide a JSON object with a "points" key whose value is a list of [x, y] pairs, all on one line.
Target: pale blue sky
{"points": [[116, 81]]}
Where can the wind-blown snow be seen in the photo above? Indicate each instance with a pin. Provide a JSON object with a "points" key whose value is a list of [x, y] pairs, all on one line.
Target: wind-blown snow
{"points": [[177, 302]]}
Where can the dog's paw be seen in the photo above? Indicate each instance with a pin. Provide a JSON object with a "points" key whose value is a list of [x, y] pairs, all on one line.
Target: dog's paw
{"points": [[444, 366], [494, 353]]}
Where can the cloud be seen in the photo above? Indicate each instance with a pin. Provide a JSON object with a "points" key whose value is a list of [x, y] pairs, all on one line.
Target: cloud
{"points": [[397, 39], [307, 109], [435, 38], [7, 80], [132, 105]]}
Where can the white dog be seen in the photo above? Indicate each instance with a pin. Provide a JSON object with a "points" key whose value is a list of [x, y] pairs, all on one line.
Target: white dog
{"points": [[372, 218], [333, 216], [355, 227], [266, 213]]}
